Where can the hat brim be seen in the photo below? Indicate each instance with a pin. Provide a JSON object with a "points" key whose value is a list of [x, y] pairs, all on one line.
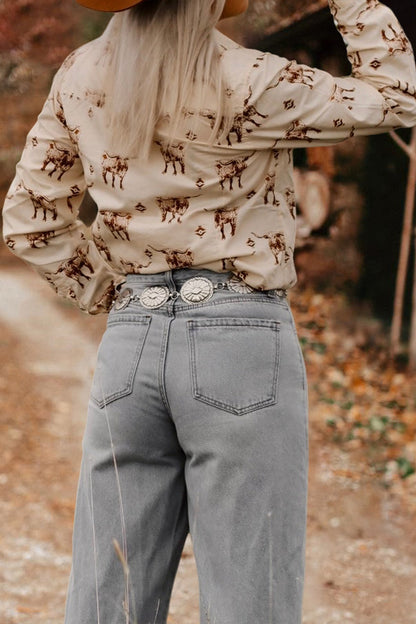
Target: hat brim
{"points": [[108, 5]]}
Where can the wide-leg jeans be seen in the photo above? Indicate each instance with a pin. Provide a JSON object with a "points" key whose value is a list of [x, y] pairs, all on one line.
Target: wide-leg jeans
{"points": [[197, 423]]}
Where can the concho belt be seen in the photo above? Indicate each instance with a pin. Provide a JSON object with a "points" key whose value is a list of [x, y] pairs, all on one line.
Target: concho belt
{"points": [[194, 290]]}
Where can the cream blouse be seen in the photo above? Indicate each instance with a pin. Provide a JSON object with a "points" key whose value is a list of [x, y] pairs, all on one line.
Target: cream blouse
{"points": [[224, 207]]}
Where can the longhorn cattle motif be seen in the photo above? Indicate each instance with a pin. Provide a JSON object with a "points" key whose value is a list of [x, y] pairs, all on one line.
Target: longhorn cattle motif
{"points": [[108, 296], [356, 61], [397, 42], [173, 155], [247, 116], [296, 74], [102, 246], [175, 258], [176, 206], [231, 169], [228, 264], [291, 201], [61, 158], [342, 95], [117, 223], [371, 4], [133, 267], [299, 131], [40, 238], [269, 182], [116, 166], [277, 245], [223, 217], [356, 31], [74, 268], [42, 203]]}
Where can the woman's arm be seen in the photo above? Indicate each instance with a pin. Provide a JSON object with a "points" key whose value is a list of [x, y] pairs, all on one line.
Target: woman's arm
{"points": [[40, 215], [307, 105]]}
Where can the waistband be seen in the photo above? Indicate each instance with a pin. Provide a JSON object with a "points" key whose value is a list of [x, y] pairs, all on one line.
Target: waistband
{"points": [[191, 286]]}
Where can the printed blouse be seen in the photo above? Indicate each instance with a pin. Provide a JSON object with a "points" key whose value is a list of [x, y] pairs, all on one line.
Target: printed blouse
{"points": [[227, 206]]}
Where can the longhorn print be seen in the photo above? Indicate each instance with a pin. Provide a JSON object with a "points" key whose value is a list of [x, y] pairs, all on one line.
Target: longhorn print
{"points": [[173, 155], [270, 181], [102, 246], [228, 264], [356, 61], [356, 31], [371, 4], [133, 267], [61, 158], [397, 42], [296, 74], [231, 169], [247, 116], [108, 296], [300, 131], [116, 166], [176, 206], [39, 238], [291, 201], [277, 245], [224, 217], [76, 268], [175, 258], [342, 95], [117, 223], [43, 204]]}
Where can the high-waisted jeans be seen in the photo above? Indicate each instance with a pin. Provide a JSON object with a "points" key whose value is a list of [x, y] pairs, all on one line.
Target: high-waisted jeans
{"points": [[197, 423]]}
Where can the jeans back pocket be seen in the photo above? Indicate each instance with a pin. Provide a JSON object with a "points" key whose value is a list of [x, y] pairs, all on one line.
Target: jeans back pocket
{"points": [[234, 362], [118, 357]]}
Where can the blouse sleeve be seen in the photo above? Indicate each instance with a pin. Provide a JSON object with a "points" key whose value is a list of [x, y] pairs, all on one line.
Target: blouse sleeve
{"points": [[302, 105], [40, 215]]}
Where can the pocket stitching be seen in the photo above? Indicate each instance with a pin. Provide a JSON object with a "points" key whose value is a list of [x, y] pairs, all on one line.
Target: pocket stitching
{"points": [[274, 325], [142, 320]]}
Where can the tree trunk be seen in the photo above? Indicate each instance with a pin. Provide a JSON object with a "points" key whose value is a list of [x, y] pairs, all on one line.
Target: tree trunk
{"points": [[396, 327], [412, 343]]}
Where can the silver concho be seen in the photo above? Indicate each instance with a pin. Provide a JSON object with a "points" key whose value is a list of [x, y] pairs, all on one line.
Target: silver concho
{"points": [[237, 285], [123, 299], [196, 289], [154, 297]]}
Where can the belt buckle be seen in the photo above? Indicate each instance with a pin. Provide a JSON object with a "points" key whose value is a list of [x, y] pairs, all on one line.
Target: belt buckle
{"points": [[123, 299], [196, 290], [154, 297]]}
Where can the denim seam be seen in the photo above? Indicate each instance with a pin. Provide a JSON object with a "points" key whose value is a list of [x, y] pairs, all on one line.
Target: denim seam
{"points": [[162, 364]]}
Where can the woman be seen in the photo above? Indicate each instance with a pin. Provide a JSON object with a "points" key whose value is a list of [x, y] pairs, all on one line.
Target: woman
{"points": [[198, 413]]}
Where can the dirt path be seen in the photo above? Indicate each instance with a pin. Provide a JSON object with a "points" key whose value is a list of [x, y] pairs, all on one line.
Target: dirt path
{"points": [[361, 553]]}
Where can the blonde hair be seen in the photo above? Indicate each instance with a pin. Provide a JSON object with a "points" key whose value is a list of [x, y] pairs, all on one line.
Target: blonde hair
{"points": [[163, 55]]}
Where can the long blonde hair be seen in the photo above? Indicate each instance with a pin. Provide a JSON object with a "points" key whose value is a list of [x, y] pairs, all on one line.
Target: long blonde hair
{"points": [[163, 54]]}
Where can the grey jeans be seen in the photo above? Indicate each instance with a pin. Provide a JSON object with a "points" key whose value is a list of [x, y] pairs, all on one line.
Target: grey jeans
{"points": [[197, 423]]}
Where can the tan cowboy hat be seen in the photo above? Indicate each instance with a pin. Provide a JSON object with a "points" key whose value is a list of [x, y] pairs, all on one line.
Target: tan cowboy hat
{"points": [[108, 5]]}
